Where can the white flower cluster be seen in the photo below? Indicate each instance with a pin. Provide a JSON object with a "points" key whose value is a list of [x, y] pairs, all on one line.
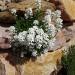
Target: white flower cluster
{"points": [[50, 28], [53, 22], [13, 11], [57, 19], [12, 29], [28, 13], [34, 39], [36, 22], [38, 4]]}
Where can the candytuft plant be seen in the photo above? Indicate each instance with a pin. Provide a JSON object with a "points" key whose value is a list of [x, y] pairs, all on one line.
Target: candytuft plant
{"points": [[34, 32]]}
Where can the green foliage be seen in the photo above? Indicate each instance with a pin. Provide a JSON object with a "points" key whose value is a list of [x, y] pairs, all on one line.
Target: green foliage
{"points": [[68, 61], [23, 24]]}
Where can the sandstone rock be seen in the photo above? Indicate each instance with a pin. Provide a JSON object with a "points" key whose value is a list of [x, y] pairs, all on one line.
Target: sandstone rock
{"points": [[2, 6], [4, 38], [60, 40], [69, 32], [2, 69], [67, 8], [6, 17], [30, 3], [43, 65]]}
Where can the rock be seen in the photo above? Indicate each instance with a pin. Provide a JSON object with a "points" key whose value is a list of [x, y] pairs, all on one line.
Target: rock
{"points": [[2, 69], [4, 38], [43, 65], [6, 17], [67, 8], [69, 32], [60, 40], [2, 6], [30, 3]]}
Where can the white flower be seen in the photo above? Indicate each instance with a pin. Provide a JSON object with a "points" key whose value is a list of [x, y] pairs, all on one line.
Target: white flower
{"points": [[31, 31], [51, 30], [39, 46], [12, 29], [15, 37], [39, 39], [21, 37], [38, 4], [45, 36], [52, 43], [59, 21], [24, 33], [36, 22], [40, 31], [45, 40], [35, 28], [58, 13], [47, 19], [29, 12], [48, 12], [34, 53], [13, 11], [30, 39], [26, 16]]}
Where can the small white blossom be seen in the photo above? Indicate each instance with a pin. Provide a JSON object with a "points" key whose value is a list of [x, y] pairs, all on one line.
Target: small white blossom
{"points": [[31, 31], [36, 22], [12, 29], [39, 46], [15, 37], [26, 16], [59, 21], [21, 38], [51, 30], [13, 11], [29, 12], [58, 13], [30, 39], [35, 28], [47, 19], [24, 33], [40, 31], [48, 12], [38, 4], [45, 38], [39, 39]]}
